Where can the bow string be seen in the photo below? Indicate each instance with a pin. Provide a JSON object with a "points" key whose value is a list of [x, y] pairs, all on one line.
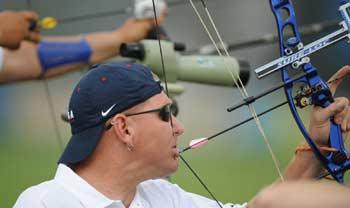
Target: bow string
{"points": [[235, 77]]}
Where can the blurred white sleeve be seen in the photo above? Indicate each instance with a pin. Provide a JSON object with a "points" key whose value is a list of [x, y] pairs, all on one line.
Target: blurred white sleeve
{"points": [[143, 9]]}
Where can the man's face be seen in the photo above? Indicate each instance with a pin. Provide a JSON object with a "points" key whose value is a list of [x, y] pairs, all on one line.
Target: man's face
{"points": [[155, 139]]}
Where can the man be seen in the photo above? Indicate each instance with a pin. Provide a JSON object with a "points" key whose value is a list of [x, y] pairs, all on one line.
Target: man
{"points": [[54, 56], [124, 139], [14, 27]]}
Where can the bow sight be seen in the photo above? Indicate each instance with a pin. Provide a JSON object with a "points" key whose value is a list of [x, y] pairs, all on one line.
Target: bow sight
{"points": [[296, 53]]}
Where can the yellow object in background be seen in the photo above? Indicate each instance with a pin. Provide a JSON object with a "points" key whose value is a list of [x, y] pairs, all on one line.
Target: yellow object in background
{"points": [[47, 23]]}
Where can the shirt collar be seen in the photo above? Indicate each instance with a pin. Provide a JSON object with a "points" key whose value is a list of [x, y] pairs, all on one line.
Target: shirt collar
{"points": [[84, 192]]}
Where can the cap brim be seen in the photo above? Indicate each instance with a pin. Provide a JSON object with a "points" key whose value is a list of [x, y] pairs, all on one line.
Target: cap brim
{"points": [[81, 145]]}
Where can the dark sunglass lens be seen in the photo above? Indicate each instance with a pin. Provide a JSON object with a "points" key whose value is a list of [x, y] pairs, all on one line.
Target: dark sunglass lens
{"points": [[174, 110], [165, 113]]}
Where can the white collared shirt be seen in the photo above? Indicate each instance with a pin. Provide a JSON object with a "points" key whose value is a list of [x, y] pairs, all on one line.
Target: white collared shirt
{"points": [[68, 190]]}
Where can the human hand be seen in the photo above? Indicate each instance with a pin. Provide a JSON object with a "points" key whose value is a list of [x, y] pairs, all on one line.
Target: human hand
{"points": [[134, 30], [319, 122], [14, 27]]}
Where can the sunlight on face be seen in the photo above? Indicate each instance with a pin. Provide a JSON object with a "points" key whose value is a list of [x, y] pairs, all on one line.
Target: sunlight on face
{"points": [[156, 140]]}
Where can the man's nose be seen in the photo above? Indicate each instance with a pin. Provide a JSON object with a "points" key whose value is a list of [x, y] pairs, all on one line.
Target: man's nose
{"points": [[178, 127]]}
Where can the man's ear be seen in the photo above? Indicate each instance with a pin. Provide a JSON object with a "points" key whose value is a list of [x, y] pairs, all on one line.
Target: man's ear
{"points": [[122, 129]]}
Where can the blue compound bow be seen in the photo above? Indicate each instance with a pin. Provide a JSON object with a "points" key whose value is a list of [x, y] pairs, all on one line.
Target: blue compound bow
{"points": [[314, 90]]}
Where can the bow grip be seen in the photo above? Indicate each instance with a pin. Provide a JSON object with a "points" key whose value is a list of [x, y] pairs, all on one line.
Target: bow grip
{"points": [[338, 161], [336, 138]]}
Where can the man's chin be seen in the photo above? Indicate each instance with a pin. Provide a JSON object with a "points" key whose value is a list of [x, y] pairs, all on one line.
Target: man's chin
{"points": [[171, 169]]}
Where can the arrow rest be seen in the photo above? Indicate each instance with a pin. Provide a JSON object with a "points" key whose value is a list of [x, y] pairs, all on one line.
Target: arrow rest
{"points": [[307, 95], [303, 96]]}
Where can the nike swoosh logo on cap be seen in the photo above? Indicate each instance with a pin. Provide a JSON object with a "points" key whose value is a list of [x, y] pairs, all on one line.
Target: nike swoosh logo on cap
{"points": [[105, 113]]}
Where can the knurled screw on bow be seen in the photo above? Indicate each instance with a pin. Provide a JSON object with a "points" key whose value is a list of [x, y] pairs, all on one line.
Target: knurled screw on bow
{"points": [[318, 88], [303, 97]]}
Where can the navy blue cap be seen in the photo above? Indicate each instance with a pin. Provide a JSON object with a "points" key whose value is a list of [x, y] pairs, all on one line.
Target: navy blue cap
{"points": [[106, 90]]}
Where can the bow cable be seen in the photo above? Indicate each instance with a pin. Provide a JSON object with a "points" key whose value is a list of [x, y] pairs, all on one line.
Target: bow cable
{"points": [[167, 92], [48, 95], [238, 84]]}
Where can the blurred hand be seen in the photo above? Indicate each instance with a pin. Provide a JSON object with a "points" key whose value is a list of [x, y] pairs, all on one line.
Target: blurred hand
{"points": [[14, 27], [319, 121], [134, 30]]}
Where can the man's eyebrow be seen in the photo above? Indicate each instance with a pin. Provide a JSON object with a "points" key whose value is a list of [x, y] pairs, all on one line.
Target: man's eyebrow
{"points": [[165, 104]]}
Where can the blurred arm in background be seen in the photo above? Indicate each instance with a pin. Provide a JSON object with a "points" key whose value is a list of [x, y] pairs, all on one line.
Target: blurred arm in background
{"points": [[310, 194], [57, 55]]}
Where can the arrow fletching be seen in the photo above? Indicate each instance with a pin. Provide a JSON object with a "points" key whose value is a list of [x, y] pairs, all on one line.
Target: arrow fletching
{"points": [[196, 143]]}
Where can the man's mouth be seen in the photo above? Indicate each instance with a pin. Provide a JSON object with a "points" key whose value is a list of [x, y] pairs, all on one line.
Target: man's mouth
{"points": [[175, 151]]}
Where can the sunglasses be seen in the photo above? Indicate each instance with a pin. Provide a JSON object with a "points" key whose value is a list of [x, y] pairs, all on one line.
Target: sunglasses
{"points": [[164, 113]]}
